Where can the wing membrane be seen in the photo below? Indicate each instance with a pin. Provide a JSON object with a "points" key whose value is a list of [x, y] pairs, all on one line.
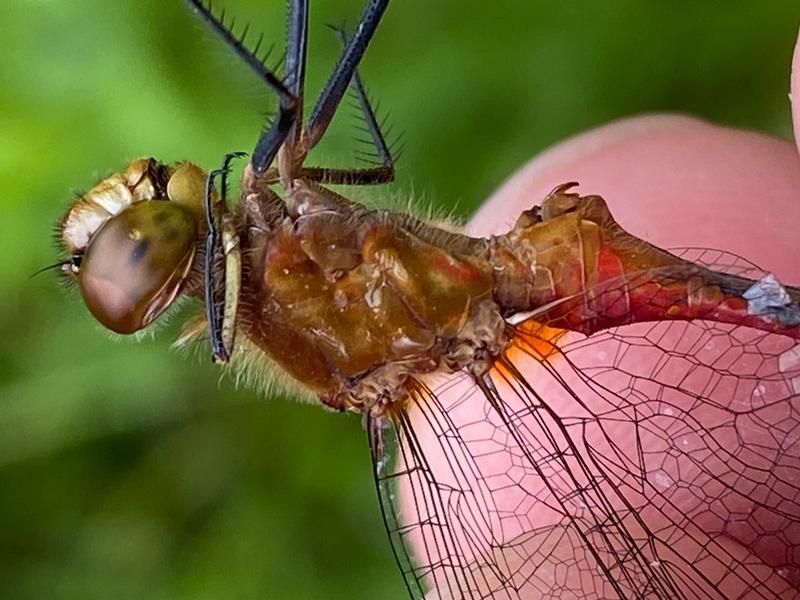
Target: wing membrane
{"points": [[439, 510], [656, 460]]}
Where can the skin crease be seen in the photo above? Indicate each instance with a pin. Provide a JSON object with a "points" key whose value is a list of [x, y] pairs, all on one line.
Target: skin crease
{"points": [[674, 181]]}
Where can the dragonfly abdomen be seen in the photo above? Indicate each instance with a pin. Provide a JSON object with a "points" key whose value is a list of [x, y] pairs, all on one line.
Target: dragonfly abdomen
{"points": [[574, 267]]}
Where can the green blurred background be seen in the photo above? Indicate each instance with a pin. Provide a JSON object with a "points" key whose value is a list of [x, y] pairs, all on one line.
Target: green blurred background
{"points": [[126, 469]]}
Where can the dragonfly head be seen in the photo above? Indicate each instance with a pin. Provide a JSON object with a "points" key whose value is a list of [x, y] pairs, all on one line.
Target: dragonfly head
{"points": [[133, 239]]}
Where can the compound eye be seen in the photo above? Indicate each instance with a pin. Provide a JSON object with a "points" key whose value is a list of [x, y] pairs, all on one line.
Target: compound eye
{"points": [[136, 263]]}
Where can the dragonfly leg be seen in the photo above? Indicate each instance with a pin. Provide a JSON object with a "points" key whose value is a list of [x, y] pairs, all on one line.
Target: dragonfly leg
{"points": [[215, 314], [287, 123], [295, 66], [383, 173], [337, 83], [271, 140]]}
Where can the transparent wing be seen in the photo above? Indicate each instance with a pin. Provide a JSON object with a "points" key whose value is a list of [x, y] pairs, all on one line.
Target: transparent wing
{"points": [[657, 460]]}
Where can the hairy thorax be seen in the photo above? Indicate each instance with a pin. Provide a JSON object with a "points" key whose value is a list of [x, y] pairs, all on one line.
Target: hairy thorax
{"points": [[351, 302]]}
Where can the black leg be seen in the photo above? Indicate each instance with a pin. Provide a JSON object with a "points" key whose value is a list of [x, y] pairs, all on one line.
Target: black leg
{"points": [[289, 119], [371, 176], [368, 114], [295, 66], [215, 311], [290, 94], [224, 171], [271, 140], [384, 173], [343, 72], [237, 45]]}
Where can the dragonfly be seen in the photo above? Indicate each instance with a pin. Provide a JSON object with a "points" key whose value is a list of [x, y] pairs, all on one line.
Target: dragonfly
{"points": [[562, 410]]}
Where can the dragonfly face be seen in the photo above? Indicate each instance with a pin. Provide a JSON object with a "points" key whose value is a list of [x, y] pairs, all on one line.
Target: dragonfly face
{"points": [[365, 308], [132, 241]]}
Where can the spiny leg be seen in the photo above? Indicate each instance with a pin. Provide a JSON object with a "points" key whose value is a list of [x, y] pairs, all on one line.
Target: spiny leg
{"points": [[223, 171], [289, 119], [215, 312], [337, 83], [271, 140], [295, 66], [290, 107], [370, 118], [371, 176]]}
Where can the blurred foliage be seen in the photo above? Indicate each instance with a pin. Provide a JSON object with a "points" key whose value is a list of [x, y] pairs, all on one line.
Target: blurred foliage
{"points": [[125, 468]]}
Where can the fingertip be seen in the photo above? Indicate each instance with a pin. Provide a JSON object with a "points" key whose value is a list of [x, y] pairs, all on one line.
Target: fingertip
{"points": [[794, 94]]}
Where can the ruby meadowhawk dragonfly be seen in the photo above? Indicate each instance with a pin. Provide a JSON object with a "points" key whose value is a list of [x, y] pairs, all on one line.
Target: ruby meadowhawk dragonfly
{"points": [[559, 410]]}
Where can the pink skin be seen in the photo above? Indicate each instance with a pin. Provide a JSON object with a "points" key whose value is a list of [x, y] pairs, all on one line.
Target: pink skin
{"points": [[676, 181]]}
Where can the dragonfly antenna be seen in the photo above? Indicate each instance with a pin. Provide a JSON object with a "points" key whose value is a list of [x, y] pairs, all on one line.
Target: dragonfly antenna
{"points": [[58, 265]]}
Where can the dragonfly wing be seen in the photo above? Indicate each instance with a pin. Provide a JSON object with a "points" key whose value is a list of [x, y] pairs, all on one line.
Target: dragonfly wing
{"points": [[437, 504], [657, 460]]}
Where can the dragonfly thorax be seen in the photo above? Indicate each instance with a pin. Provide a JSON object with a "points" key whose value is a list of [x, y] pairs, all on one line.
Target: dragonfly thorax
{"points": [[353, 302]]}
